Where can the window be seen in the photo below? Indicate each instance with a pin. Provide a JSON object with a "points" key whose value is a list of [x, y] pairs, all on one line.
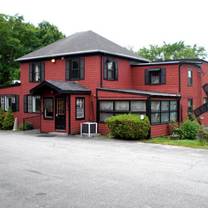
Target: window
{"points": [[48, 108], [163, 111], [80, 108], [190, 106], [190, 77], [205, 100], [110, 69], [36, 72], [9, 102], [31, 104], [110, 108], [155, 76], [75, 69]]}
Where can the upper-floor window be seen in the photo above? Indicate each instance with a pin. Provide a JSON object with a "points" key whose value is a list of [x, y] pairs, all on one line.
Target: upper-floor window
{"points": [[190, 106], [110, 69], [9, 102], [155, 76], [190, 77], [36, 72], [31, 104], [75, 68]]}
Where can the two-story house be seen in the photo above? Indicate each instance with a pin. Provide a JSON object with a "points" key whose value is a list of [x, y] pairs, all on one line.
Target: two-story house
{"points": [[86, 77]]}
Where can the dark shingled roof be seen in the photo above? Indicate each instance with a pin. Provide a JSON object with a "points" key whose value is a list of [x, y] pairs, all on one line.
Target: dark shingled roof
{"points": [[81, 43], [141, 92], [61, 87]]}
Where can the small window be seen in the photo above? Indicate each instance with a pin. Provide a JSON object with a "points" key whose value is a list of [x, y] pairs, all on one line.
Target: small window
{"points": [[155, 76], [36, 72], [205, 100], [110, 69], [106, 106], [138, 106], [190, 77], [9, 102], [31, 104], [48, 108], [122, 106], [75, 68], [80, 108], [190, 106]]}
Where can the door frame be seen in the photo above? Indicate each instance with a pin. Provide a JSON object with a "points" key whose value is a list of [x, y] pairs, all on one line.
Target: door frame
{"points": [[65, 101]]}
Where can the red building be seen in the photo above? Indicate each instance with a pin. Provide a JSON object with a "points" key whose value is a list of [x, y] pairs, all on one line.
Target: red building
{"points": [[86, 77]]}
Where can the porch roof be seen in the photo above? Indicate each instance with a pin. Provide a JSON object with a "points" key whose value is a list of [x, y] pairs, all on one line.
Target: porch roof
{"points": [[61, 87], [141, 92]]}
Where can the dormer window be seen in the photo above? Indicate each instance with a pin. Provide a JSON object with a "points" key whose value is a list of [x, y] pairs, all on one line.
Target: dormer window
{"points": [[110, 69], [155, 76], [36, 72]]}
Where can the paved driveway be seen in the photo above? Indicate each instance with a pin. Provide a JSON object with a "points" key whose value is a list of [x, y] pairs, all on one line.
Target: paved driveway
{"points": [[73, 172]]}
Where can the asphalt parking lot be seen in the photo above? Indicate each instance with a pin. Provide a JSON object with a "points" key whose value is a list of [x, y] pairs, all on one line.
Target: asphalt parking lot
{"points": [[40, 171]]}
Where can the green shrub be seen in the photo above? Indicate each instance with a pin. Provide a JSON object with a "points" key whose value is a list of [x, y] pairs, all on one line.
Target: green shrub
{"points": [[203, 136], [8, 120], [188, 130], [128, 126], [1, 118], [172, 126], [26, 126]]}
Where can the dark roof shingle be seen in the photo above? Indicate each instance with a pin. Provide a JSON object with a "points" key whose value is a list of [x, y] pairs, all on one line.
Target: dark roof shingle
{"points": [[80, 43]]}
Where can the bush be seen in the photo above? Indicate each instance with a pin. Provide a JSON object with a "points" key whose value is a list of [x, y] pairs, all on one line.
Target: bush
{"points": [[8, 120], [203, 136], [172, 127], [188, 130], [26, 126], [128, 126], [1, 118]]}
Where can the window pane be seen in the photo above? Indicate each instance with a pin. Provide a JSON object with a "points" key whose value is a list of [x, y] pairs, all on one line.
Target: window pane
{"points": [[173, 105], [104, 116], [80, 108], [155, 106], [48, 108], [155, 118], [137, 106], [75, 69], [164, 117], [106, 105], [122, 106], [173, 116], [155, 77], [165, 106]]}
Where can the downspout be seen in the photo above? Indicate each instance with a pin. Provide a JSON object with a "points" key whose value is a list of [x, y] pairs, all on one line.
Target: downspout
{"points": [[179, 91]]}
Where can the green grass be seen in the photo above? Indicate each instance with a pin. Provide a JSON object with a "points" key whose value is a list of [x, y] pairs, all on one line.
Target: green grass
{"points": [[184, 143]]}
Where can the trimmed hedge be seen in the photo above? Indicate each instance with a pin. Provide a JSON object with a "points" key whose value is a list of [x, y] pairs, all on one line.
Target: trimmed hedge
{"points": [[128, 126]]}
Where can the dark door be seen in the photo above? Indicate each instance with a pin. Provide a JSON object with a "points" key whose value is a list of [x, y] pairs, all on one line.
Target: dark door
{"points": [[60, 121]]}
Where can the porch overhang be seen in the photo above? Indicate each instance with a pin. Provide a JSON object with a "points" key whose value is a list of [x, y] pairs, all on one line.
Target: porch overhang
{"points": [[61, 87]]}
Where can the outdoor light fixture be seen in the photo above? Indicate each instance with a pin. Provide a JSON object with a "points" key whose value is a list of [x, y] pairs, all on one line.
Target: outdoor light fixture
{"points": [[53, 60]]}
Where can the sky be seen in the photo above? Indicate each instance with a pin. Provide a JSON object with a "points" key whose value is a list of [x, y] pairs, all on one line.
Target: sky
{"points": [[130, 23]]}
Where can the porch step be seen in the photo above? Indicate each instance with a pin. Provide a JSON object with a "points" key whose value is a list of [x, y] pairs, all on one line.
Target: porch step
{"points": [[55, 133]]}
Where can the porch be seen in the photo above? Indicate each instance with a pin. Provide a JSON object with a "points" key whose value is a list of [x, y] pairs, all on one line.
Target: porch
{"points": [[64, 105]]}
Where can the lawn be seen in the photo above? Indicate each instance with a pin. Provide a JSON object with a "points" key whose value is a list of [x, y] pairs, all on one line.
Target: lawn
{"points": [[185, 143]]}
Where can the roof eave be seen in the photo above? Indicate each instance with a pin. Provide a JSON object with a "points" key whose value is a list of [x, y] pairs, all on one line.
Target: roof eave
{"points": [[81, 52]]}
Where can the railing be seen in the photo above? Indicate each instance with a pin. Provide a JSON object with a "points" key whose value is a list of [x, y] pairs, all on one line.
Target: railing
{"points": [[34, 121]]}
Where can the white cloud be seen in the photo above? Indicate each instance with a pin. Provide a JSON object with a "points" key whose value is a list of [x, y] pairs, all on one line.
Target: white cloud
{"points": [[134, 23]]}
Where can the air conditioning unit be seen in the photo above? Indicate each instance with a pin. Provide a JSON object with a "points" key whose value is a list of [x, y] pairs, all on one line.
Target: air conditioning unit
{"points": [[88, 129]]}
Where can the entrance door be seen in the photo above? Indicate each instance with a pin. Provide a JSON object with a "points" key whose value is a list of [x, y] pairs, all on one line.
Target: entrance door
{"points": [[60, 121]]}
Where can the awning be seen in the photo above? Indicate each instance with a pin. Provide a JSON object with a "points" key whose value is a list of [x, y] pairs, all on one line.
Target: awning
{"points": [[60, 87]]}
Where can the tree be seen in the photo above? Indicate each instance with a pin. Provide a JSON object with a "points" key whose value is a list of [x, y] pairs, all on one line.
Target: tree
{"points": [[178, 50], [17, 38]]}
